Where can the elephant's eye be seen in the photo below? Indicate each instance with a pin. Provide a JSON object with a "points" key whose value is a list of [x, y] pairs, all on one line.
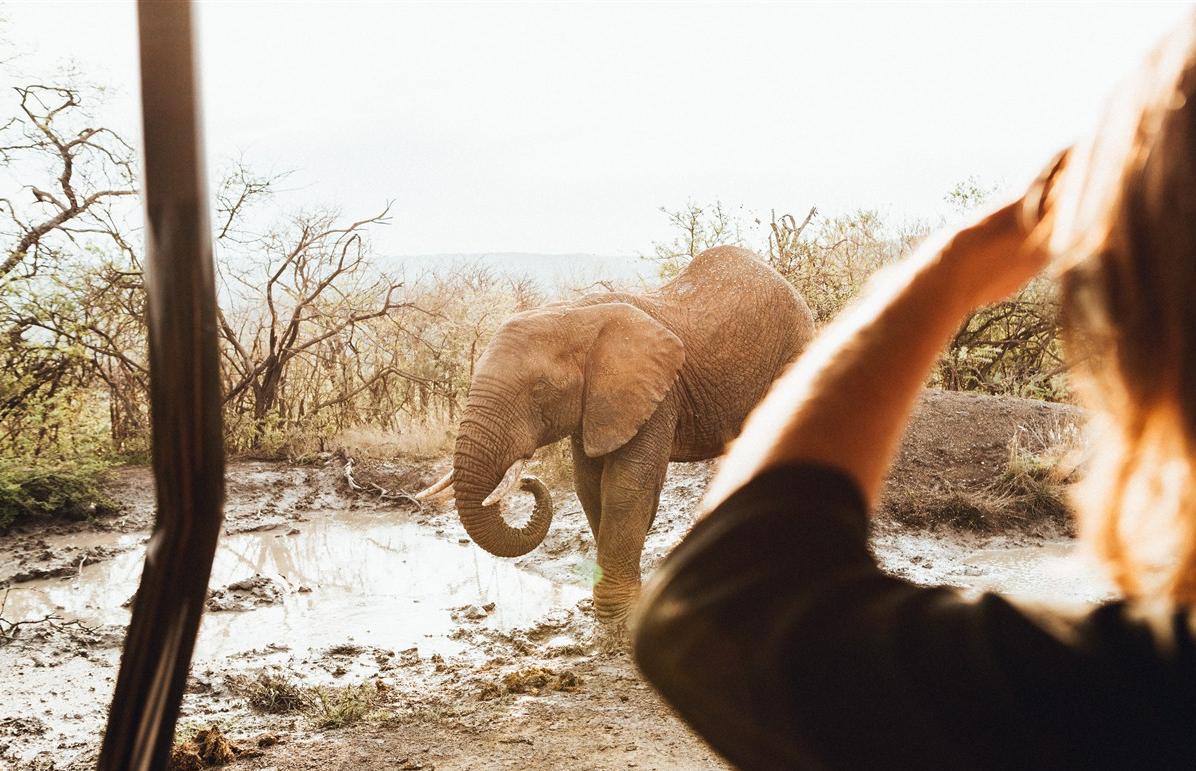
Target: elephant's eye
{"points": [[543, 391]]}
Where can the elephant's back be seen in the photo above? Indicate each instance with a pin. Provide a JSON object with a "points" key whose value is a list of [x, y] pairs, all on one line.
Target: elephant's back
{"points": [[742, 323], [730, 290]]}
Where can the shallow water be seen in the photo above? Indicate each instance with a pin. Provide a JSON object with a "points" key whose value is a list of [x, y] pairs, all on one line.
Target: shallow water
{"points": [[1053, 571], [1044, 571], [380, 580], [374, 579]]}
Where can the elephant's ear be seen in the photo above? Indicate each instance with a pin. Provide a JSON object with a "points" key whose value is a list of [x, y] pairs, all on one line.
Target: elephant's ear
{"points": [[630, 367]]}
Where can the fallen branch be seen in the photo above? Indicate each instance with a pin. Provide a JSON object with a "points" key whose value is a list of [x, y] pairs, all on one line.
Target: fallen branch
{"points": [[10, 631], [382, 492], [348, 470]]}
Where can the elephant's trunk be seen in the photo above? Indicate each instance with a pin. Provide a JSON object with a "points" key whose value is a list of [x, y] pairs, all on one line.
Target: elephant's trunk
{"points": [[479, 467]]}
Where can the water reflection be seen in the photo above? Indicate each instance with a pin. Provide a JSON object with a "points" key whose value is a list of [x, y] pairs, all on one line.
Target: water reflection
{"points": [[374, 579], [1048, 572]]}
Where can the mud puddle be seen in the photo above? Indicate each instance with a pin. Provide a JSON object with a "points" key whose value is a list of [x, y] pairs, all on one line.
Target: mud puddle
{"points": [[1049, 572], [1052, 571], [340, 593], [361, 577], [352, 581]]}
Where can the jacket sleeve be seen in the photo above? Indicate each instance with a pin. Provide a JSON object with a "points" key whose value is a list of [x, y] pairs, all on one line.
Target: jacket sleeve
{"points": [[772, 631]]}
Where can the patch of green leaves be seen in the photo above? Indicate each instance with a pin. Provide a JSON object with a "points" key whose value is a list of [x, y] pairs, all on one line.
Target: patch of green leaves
{"points": [[30, 492]]}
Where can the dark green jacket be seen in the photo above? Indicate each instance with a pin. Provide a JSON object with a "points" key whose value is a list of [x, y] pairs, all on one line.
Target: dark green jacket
{"points": [[774, 634]]}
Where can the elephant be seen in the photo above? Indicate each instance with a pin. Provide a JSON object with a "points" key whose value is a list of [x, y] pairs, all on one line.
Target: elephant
{"points": [[636, 381]]}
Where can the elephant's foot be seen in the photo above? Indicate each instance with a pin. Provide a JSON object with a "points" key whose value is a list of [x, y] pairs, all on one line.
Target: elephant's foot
{"points": [[611, 640], [614, 600]]}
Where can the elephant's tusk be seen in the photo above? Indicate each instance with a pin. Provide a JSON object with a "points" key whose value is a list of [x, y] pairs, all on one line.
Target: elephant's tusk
{"points": [[438, 488], [447, 492], [509, 480]]}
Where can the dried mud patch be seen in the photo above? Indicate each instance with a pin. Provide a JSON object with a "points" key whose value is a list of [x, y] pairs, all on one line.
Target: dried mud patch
{"points": [[984, 464], [42, 561], [248, 593], [508, 700], [534, 681]]}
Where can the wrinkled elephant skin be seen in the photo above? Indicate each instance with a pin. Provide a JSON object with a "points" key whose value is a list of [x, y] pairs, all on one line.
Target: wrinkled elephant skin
{"points": [[636, 381]]}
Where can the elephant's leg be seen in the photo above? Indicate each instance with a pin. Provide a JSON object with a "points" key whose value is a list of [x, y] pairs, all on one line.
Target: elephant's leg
{"points": [[587, 480], [631, 482]]}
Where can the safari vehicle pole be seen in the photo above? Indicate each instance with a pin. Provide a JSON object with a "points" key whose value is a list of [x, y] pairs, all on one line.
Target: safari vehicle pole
{"points": [[188, 449]]}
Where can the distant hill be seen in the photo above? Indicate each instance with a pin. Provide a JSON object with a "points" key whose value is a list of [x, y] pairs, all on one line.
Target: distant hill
{"points": [[550, 270]]}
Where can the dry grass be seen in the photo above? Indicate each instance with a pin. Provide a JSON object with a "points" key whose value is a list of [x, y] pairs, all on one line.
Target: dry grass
{"points": [[1010, 503], [325, 706], [340, 707], [430, 439], [554, 465], [209, 748], [1052, 453], [1030, 492], [954, 509], [276, 694]]}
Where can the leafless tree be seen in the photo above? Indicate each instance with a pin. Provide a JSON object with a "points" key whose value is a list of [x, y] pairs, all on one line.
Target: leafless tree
{"points": [[91, 166], [696, 228], [299, 293]]}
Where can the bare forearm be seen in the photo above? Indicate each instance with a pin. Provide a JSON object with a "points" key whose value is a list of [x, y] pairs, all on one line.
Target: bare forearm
{"points": [[846, 401]]}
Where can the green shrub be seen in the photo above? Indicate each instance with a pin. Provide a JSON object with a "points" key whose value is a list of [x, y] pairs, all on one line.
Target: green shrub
{"points": [[53, 492]]}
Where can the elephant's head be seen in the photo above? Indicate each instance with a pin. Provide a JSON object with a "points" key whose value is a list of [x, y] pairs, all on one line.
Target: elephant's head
{"points": [[548, 373]]}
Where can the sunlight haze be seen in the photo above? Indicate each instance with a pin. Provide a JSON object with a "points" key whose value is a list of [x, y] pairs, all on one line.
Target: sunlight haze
{"points": [[564, 128]]}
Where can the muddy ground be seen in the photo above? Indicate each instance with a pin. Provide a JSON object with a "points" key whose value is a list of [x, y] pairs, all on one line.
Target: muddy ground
{"points": [[349, 631]]}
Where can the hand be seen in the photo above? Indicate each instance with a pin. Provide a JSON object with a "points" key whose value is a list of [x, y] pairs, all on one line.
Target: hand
{"points": [[993, 258], [1001, 252]]}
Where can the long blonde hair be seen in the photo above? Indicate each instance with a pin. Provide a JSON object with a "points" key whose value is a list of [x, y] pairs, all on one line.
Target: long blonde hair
{"points": [[1124, 211]]}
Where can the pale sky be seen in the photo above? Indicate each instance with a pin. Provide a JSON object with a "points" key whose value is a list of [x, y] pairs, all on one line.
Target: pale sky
{"points": [[564, 128]]}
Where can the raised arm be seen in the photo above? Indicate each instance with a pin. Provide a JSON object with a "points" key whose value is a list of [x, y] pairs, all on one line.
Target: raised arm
{"points": [[845, 402], [770, 628]]}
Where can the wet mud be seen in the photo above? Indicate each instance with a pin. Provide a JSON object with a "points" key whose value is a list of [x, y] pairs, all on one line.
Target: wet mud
{"points": [[348, 630]]}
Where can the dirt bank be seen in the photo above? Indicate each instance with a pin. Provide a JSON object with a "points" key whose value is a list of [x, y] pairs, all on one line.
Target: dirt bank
{"points": [[349, 630]]}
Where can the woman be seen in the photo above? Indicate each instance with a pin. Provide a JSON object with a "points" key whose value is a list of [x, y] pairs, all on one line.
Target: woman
{"points": [[771, 629]]}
